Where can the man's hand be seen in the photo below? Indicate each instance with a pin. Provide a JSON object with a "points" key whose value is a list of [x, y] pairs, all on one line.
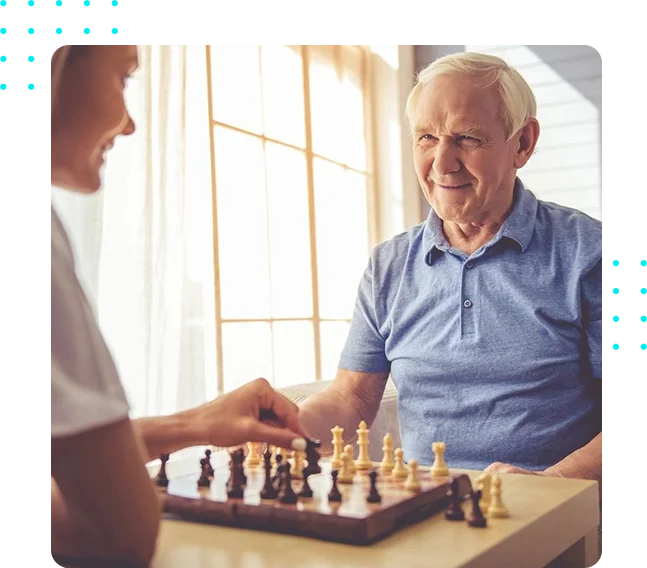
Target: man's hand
{"points": [[498, 467]]}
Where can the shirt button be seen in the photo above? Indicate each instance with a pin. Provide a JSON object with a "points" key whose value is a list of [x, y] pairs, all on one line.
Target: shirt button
{"points": [[467, 303], [470, 264]]}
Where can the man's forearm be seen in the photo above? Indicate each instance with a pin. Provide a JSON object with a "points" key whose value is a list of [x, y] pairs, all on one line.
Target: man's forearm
{"points": [[167, 434], [329, 408], [585, 463]]}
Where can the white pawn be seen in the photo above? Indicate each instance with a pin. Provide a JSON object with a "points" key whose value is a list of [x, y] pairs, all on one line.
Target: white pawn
{"points": [[338, 443], [483, 484], [348, 450], [412, 483], [399, 470], [439, 467], [387, 463], [497, 509], [297, 464], [345, 474]]}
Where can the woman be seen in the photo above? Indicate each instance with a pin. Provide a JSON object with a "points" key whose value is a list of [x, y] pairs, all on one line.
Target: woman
{"points": [[104, 505]]}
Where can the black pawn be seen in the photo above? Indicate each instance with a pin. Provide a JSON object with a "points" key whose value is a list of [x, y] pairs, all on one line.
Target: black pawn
{"points": [[162, 479], [276, 479], [207, 457], [476, 518], [268, 491], [306, 490], [236, 483], [204, 480], [373, 495], [287, 495], [334, 495]]}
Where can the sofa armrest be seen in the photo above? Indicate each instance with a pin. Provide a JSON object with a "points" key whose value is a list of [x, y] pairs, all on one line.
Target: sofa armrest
{"points": [[385, 422]]}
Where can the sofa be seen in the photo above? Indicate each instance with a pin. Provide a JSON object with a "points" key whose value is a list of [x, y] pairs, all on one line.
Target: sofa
{"points": [[385, 422]]}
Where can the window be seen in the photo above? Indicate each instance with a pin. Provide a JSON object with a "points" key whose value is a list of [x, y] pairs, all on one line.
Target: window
{"points": [[293, 206]]}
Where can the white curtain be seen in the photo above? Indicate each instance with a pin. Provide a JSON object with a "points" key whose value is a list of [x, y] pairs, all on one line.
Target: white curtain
{"points": [[144, 244]]}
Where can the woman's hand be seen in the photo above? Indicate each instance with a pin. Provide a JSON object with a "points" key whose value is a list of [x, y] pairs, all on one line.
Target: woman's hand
{"points": [[254, 412]]}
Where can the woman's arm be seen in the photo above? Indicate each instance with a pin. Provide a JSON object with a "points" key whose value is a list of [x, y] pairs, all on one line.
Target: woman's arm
{"points": [[104, 505]]}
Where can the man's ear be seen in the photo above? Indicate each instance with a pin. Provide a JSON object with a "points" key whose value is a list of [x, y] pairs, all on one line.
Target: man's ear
{"points": [[527, 142]]}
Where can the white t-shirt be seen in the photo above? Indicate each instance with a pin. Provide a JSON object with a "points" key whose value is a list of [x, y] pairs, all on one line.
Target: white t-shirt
{"points": [[86, 389]]}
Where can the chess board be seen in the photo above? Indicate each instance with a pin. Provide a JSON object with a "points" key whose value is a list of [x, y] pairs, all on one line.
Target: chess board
{"points": [[353, 521]]}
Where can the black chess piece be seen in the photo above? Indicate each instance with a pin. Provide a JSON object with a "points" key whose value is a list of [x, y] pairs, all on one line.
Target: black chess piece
{"points": [[237, 479], [373, 495], [312, 457], [207, 457], [268, 491], [476, 518], [276, 479], [162, 479], [334, 495], [454, 512], [287, 495], [306, 490], [204, 480]]}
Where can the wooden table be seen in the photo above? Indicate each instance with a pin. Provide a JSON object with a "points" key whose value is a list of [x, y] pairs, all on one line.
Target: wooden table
{"points": [[552, 521]]}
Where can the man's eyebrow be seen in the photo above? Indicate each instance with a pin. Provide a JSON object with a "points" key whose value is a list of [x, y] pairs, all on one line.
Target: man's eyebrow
{"points": [[472, 130]]}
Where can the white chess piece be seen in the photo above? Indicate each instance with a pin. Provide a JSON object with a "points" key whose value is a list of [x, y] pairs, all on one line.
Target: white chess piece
{"points": [[298, 458], [497, 509], [345, 474], [412, 483], [399, 470], [483, 484], [338, 444], [387, 463], [253, 457], [363, 462], [439, 467], [348, 450]]}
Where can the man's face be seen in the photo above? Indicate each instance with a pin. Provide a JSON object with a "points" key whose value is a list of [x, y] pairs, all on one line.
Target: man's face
{"points": [[465, 166]]}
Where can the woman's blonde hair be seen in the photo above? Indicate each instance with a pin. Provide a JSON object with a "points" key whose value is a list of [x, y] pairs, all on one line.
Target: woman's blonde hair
{"points": [[518, 102]]}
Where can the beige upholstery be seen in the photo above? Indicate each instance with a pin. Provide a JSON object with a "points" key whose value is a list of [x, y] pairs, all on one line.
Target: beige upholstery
{"points": [[385, 421]]}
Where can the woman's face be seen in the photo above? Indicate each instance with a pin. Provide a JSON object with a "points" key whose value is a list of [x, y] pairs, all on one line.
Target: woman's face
{"points": [[90, 113]]}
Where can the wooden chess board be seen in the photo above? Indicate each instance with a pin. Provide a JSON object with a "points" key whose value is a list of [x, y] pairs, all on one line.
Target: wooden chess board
{"points": [[353, 521]]}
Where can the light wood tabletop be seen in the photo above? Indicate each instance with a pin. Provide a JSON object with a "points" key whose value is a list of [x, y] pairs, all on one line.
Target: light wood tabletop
{"points": [[552, 521]]}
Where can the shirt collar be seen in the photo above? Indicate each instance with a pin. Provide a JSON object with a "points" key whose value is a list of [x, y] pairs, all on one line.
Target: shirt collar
{"points": [[519, 226]]}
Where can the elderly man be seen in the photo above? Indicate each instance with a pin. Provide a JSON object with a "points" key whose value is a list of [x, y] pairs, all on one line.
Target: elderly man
{"points": [[487, 316]]}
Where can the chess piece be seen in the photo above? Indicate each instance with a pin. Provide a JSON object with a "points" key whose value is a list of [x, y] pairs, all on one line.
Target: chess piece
{"points": [[387, 463], [439, 467], [373, 495], [277, 475], [204, 480], [345, 474], [454, 512], [268, 491], [363, 462], [483, 485], [312, 457], [287, 496], [297, 464], [399, 470], [237, 478], [497, 509], [306, 490], [412, 483], [253, 457], [475, 518], [334, 495], [162, 479], [348, 450], [338, 444], [207, 462]]}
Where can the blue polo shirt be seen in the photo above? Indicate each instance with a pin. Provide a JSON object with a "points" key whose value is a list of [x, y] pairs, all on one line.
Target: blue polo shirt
{"points": [[497, 354]]}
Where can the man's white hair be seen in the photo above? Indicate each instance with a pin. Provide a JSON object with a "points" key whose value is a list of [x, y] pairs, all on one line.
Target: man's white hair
{"points": [[518, 102]]}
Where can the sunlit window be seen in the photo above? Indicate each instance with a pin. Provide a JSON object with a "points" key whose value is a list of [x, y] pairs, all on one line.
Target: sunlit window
{"points": [[290, 156]]}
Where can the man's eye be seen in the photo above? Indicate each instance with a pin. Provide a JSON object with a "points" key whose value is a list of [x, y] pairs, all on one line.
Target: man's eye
{"points": [[427, 137], [466, 138]]}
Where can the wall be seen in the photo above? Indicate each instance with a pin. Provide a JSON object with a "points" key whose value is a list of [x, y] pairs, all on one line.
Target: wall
{"points": [[567, 82]]}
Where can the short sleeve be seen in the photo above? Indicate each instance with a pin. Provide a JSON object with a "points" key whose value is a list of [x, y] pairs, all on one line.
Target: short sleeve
{"points": [[86, 390], [364, 350], [591, 289]]}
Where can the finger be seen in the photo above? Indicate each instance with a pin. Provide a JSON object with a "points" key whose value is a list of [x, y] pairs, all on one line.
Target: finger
{"points": [[284, 411], [276, 435]]}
